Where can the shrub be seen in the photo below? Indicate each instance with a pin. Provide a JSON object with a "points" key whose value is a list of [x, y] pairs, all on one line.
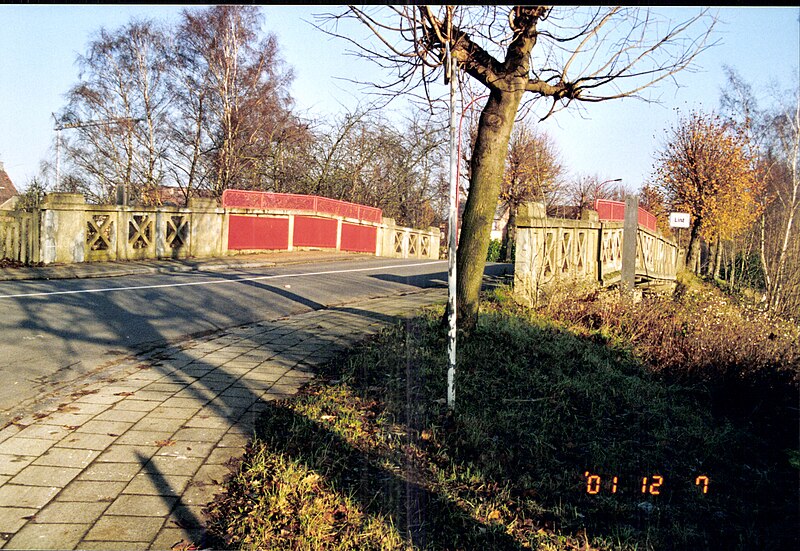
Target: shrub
{"points": [[493, 254]]}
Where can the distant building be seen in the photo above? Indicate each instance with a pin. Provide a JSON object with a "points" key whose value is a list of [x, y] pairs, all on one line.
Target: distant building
{"points": [[500, 221], [7, 189], [174, 196]]}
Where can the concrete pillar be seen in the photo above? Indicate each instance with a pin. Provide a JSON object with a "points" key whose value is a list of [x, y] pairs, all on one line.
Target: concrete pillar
{"points": [[387, 242], [528, 213], [590, 215], [435, 242], [226, 225], [160, 233], [291, 233], [207, 227], [630, 232], [63, 230], [524, 266]]}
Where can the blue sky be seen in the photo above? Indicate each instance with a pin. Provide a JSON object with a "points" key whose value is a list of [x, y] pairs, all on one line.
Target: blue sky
{"points": [[616, 139]]}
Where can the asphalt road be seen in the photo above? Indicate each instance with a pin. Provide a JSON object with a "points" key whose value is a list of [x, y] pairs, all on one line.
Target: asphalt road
{"points": [[54, 332]]}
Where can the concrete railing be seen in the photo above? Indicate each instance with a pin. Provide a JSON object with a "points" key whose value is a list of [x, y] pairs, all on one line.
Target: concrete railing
{"points": [[656, 256], [401, 242], [19, 236], [65, 229], [555, 250], [73, 231]]}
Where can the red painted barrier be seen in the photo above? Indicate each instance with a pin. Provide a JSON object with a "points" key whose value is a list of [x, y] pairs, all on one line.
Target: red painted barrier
{"points": [[361, 239], [233, 198], [615, 211], [258, 233], [315, 232]]}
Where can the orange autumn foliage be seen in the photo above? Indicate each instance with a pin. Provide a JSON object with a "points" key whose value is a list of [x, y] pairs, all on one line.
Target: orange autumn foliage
{"points": [[705, 169]]}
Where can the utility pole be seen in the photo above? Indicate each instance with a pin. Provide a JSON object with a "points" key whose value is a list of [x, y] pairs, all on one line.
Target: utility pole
{"points": [[122, 196]]}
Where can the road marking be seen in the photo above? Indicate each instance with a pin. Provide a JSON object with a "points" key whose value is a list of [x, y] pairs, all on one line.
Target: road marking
{"points": [[216, 281]]}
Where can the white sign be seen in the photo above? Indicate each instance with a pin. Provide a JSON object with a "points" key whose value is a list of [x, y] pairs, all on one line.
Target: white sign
{"points": [[679, 220]]}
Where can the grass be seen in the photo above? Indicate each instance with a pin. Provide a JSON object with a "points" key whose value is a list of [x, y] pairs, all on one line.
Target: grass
{"points": [[368, 457]]}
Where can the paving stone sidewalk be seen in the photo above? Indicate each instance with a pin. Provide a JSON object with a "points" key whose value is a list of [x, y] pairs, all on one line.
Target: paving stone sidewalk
{"points": [[130, 462]]}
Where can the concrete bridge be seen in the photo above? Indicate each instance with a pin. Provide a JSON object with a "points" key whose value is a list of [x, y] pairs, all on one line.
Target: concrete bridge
{"points": [[556, 251], [65, 229]]}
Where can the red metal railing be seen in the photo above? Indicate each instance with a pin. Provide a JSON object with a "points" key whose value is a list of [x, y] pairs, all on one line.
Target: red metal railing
{"points": [[615, 211], [290, 201]]}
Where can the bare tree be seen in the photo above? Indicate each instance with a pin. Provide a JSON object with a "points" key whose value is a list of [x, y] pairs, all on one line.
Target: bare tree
{"points": [[122, 83], [564, 55], [533, 173], [784, 184], [583, 189], [234, 95], [774, 140], [365, 158]]}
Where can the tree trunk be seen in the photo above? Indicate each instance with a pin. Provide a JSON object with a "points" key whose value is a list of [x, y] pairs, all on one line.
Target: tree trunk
{"points": [[511, 233], [781, 264], [712, 268], [488, 163], [717, 260], [762, 256], [693, 253]]}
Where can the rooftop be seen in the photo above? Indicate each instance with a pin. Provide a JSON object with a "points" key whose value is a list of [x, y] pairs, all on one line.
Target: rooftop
{"points": [[7, 189]]}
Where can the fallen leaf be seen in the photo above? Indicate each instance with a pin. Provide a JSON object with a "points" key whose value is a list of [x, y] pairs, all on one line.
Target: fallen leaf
{"points": [[123, 394], [164, 443], [184, 545], [80, 393], [495, 515]]}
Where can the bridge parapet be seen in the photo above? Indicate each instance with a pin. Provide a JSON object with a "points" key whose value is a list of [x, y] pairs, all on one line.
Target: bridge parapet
{"points": [[65, 229], [656, 256], [561, 251]]}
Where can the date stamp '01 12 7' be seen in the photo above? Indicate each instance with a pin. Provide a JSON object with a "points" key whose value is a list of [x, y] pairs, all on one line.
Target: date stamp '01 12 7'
{"points": [[649, 484]]}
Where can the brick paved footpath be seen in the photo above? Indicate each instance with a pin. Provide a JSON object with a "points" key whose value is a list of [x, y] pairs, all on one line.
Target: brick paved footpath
{"points": [[129, 462]]}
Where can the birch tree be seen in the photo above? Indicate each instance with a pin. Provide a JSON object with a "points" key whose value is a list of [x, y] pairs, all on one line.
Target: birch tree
{"points": [[238, 94], [117, 112], [773, 135]]}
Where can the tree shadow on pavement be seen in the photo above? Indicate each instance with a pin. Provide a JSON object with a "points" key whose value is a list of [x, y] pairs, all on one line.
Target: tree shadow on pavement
{"points": [[227, 377], [491, 275]]}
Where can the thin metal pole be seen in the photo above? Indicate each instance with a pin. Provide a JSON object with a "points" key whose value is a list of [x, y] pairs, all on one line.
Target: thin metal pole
{"points": [[452, 232], [58, 160]]}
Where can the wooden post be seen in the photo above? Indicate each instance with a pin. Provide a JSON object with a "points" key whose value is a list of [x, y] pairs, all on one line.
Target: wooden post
{"points": [[630, 232]]}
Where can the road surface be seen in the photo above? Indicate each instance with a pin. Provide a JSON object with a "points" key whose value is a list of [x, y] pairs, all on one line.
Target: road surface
{"points": [[54, 332]]}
